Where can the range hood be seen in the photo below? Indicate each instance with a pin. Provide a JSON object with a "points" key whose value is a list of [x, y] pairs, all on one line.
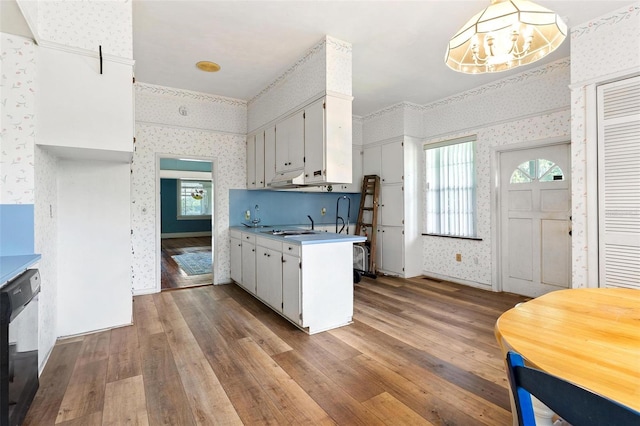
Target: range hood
{"points": [[293, 179]]}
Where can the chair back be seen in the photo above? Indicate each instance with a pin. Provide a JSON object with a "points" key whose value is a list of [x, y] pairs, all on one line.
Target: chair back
{"points": [[574, 404]]}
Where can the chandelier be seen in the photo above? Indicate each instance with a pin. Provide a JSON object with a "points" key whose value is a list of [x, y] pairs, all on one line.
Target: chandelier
{"points": [[505, 35]]}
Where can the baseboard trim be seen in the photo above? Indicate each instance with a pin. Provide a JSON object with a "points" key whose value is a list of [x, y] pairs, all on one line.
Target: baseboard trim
{"points": [[186, 234], [458, 280]]}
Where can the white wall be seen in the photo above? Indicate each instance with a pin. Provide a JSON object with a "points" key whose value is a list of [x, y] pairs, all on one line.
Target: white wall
{"points": [[94, 248], [604, 49], [214, 128]]}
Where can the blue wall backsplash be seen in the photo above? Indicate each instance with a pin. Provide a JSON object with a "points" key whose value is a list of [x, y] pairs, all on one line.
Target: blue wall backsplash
{"points": [[16, 229], [169, 223], [289, 207]]}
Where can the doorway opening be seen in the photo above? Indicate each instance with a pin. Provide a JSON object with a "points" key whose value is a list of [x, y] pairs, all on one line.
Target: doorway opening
{"points": [[186, 222]]}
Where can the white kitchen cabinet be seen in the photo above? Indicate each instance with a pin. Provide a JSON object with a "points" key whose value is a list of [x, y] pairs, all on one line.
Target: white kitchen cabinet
{"points": [[391, 207], [371, 160], [80, 108], [269, 276], [236, 260], [291, 287], [269, 154], [356, 173], [392, 163], [294, 280], [290, 143], [248, 264], [256, 160], [327, 141], [251, 161], [390, 250], [260, 150], [399, 242]]}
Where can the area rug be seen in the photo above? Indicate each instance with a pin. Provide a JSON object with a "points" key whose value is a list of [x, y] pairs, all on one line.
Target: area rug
{"points": [[194, 263]]}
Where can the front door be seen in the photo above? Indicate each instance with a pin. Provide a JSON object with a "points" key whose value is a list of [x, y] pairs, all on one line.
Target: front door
{"points": [[535, 209]]}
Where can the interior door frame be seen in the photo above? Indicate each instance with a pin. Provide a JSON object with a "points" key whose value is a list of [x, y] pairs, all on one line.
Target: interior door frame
{"points": [[496, 215], [214, 210]]}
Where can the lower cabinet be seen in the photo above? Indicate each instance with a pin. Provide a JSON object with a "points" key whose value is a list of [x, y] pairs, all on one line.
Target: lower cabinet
{"points": [[248, 280], [310, 285], [389, 250], [291, 288], [269, 276], [236, 259]]}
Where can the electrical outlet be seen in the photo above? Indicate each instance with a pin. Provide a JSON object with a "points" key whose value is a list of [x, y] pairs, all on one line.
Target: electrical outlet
{"points": [[323, 211], [458, 257], [247, 214]]}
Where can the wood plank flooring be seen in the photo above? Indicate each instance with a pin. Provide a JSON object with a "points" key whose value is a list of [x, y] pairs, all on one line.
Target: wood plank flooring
{"points": [[418, 352], [171, 274]]}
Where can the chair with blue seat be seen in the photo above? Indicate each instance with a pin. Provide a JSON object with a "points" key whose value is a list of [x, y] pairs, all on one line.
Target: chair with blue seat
{"points": [[574, 404]]}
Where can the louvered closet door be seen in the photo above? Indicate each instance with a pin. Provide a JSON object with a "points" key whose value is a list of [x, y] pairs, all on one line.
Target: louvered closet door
{"points": [[619, 183]]}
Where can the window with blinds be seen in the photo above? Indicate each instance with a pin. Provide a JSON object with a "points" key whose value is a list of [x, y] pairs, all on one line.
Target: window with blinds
{"points": [[450, 188], [618, 106]]}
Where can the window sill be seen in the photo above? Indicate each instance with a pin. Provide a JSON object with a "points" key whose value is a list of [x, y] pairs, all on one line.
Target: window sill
{"points": [[453, 236]]}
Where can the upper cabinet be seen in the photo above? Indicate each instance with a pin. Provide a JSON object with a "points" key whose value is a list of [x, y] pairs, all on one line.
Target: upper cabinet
{"points": [[269, 154], [83, 105], [251, 162], [328, 141], [290, 143]]}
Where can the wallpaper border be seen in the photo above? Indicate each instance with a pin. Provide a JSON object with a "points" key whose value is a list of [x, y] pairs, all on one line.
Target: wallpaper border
{"points": [[607, 20], [187, 94]]}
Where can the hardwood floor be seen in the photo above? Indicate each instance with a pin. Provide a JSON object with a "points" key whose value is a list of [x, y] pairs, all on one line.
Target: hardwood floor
{"points": [[174, 277], [418, 352]]}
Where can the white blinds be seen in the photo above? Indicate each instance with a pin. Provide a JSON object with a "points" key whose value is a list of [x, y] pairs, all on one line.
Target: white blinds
{"points": [[619, 183], [451, 188]]}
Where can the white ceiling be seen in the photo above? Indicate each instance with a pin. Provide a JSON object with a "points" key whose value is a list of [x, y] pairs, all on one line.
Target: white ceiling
{"points": [[398, 46]]}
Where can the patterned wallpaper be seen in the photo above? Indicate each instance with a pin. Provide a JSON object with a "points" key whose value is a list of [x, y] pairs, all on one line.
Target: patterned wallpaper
{"points": [[439, 253], [384, 124], [606, 45], [46, 243], [165, 105], [228, 152], [88, 24], [595, 57], [17, 94], [303, 81]]}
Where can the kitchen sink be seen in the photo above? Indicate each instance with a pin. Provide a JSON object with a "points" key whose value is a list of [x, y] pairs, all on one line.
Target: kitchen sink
{"points": [[289, 233]]}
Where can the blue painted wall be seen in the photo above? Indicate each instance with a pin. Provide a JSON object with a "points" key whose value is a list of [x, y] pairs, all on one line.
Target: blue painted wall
{"points": [[169, 223], [16, 229], [289, 207]]}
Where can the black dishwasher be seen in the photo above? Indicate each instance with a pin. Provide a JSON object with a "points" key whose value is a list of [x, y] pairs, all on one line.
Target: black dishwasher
{"points": [[18, 346]]}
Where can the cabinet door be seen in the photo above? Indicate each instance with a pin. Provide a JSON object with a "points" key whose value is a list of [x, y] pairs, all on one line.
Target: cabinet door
{"points": [[259, 174], [391, 210], [392, 250], [291, 287], [251, 161], [314, 143], [290, 143], [392, 163], [249, 267], [269, 154], [236, 260], [371, 161], [269, 277], [296, 142], [356, 172]]}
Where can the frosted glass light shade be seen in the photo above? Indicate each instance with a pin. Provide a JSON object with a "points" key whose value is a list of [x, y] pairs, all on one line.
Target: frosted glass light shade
{"points": [[505, 35]]}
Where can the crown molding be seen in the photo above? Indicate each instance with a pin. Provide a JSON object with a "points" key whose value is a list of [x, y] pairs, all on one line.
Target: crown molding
{"points": [[187, 94], [606, 20]]}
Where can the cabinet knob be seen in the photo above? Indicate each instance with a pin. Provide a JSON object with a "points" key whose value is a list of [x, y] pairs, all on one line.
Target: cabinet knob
{"points": [[290, 248], [253, 249], [268, 255]]}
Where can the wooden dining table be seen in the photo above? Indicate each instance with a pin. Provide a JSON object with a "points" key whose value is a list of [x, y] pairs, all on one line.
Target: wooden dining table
{"points": [[590, 337]]}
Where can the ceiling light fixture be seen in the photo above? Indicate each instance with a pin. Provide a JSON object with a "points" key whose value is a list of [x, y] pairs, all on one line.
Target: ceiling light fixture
{"points": [[505, 35], [208, 66]]}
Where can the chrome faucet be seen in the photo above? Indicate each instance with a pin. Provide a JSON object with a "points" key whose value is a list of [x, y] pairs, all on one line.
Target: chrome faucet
{"points": [[312, 226], [255, 219]]}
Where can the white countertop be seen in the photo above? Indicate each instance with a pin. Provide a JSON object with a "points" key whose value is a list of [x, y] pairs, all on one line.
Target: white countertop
{"points": [[319, 237]]}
